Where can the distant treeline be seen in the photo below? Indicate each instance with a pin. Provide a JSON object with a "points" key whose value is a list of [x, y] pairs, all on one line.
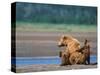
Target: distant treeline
{"points": [[49, 13]]}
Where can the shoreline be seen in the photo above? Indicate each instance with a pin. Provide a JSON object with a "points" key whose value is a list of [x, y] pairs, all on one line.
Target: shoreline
{"points": [[53, 67]]}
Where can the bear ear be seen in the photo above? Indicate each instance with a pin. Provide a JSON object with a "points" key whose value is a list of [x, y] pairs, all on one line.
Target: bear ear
{"points": [[64, 37], [86, 42]]}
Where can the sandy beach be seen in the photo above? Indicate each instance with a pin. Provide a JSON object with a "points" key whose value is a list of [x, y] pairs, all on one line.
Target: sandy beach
{"points": [[33, 44]]}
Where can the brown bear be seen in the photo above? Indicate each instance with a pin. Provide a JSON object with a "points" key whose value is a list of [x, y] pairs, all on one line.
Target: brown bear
{"points": [[81, 56], [73, 54], [71, 45]]}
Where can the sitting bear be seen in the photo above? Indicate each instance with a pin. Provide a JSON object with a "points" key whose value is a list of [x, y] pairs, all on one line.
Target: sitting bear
{"points": [[71, 45], [73, 54]]}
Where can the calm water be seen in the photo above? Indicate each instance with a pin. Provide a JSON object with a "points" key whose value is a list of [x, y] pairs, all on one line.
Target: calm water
{"points": [[43, 60]]}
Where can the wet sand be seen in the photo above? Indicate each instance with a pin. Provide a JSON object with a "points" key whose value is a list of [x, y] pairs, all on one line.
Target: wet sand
{"points": [[54, 67], [33, 44]]}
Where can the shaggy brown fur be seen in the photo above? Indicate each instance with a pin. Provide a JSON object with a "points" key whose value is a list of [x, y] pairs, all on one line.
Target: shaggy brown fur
{"points": [[64, 57], [81, 56], [71, 43], [73, 54]]}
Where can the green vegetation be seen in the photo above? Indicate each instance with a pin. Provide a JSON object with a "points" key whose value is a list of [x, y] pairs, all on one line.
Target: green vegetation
{"points": [[57, 18], [25, 26], [56, 14]]}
